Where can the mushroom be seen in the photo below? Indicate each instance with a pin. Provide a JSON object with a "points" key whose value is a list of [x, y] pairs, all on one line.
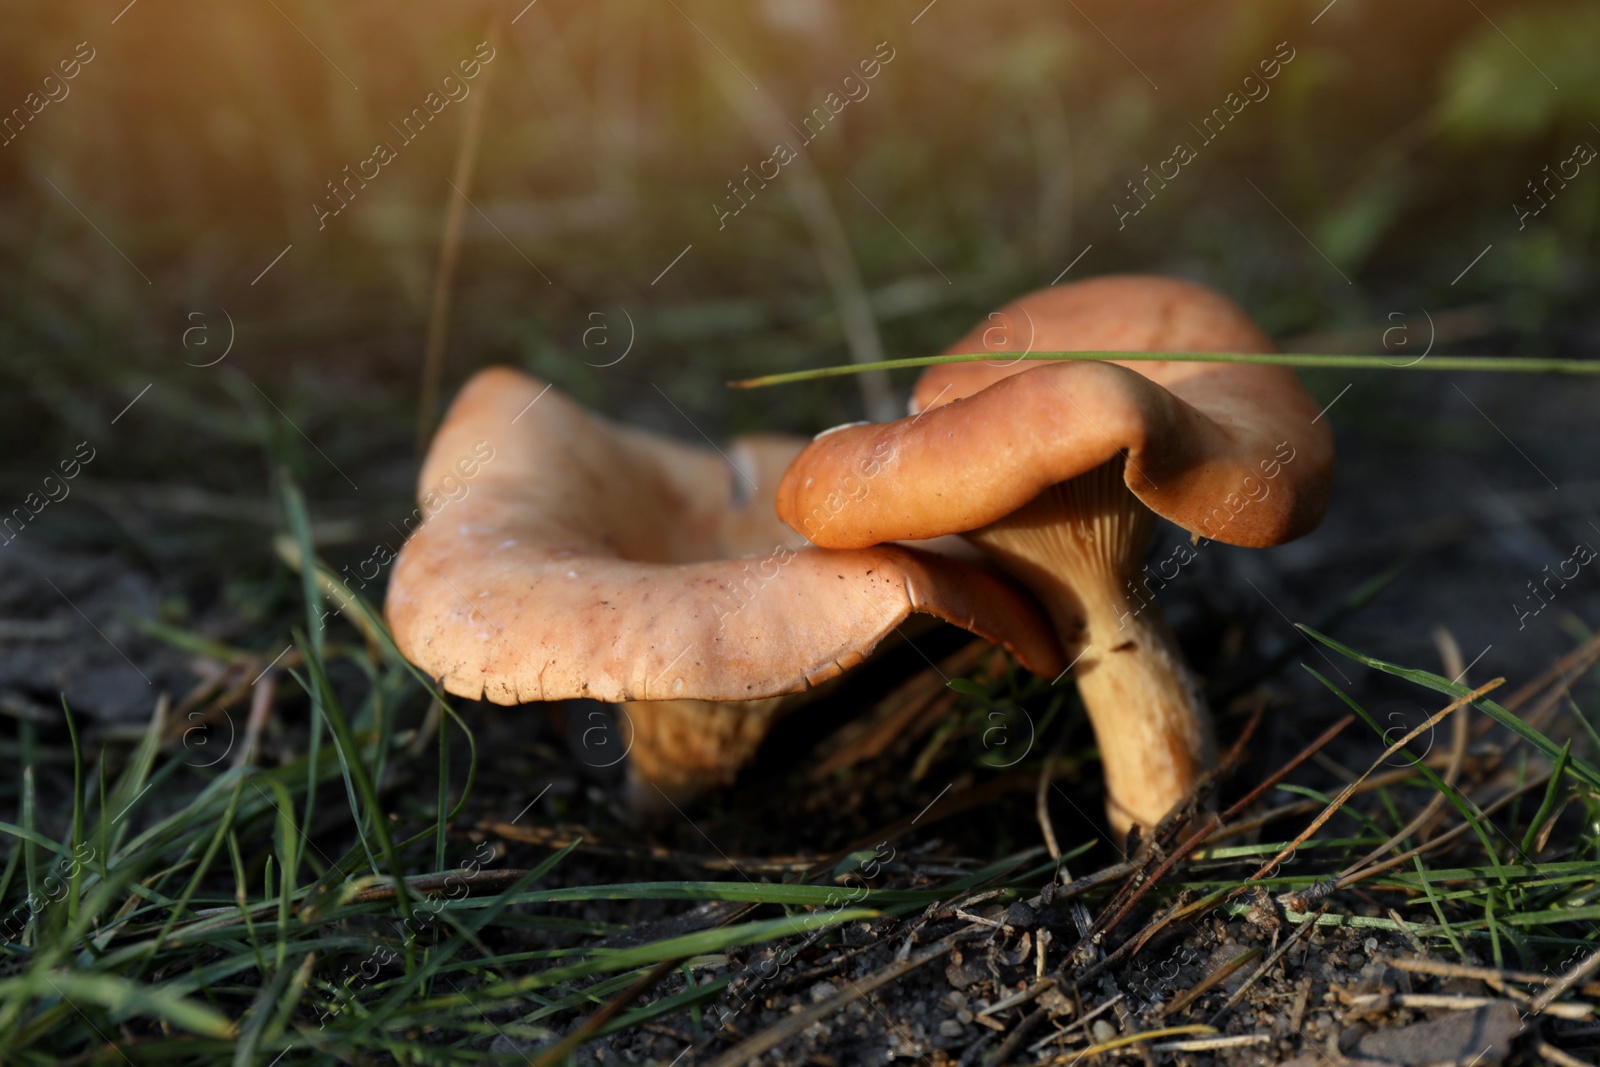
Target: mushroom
{"points": [[586, 559], [1058, 471]]}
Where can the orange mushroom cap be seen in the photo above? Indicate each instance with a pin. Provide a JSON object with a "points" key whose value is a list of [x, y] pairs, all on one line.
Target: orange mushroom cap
{"points": [[1230, 452], [1056, 472], [586, 559]]}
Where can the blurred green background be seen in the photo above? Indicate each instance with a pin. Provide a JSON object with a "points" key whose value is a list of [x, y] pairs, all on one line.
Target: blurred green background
{"points": [[987, 156]]}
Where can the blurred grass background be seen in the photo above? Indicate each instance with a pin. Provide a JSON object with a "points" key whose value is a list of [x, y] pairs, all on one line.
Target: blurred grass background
{"points": [[174, 188], [988, 156]]}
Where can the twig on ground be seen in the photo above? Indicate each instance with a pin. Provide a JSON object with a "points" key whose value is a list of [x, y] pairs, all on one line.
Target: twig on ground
{"points": [[1019, 998]]}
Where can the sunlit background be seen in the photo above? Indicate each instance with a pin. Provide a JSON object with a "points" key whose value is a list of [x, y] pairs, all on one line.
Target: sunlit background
{"points": [[1373, 189]]}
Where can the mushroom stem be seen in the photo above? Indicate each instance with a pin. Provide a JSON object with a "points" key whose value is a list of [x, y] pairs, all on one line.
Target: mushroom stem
{"points": [[681, 749], [1079, 546]]}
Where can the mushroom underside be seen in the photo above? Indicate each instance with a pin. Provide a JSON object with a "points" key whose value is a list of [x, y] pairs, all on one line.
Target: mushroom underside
{"points": [[588, 560]]}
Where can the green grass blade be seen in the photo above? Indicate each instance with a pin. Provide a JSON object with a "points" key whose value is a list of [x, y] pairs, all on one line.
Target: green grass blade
{"points": [[122, 998], [1459, 801], [1444, 924], [1580, 769], [1306, 360], [702, 943], [1552, 794], [78, 814]]}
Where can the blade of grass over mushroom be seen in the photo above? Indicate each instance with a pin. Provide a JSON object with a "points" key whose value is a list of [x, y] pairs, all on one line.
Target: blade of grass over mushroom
{"points": [[1307, 360], [1577, 767]]}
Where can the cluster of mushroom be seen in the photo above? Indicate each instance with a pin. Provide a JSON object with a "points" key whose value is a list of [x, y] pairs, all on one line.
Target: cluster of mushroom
{"points": [[708, 592]]}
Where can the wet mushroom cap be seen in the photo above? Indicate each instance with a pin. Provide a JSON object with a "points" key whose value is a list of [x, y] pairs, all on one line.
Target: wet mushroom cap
{"points": [[585, 559], [1230, 452]]}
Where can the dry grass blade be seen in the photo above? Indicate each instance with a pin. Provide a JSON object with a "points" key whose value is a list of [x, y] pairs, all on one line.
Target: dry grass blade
{"points": [[449, 255], [1133, 1039], [1583, 969], [1562, 673], [1081, 1023], [1041, 803], [1019, 1033], [1458, 753], [1556, 1056], [1019, 998], [1448, 1002], [1495, 977], [1348, 791], [903, 713], [1138, 942], [1165, 835], [1211, 1044], [440, 883], [261, 702]]}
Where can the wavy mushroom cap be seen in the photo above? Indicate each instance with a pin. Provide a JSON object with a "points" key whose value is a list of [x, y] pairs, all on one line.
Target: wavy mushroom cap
{"points": [[1228, 451], [584, 559]]}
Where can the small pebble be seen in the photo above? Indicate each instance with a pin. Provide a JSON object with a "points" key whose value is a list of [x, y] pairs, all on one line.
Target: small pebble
{"points": [[1103, 1032], [821, 991]]}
